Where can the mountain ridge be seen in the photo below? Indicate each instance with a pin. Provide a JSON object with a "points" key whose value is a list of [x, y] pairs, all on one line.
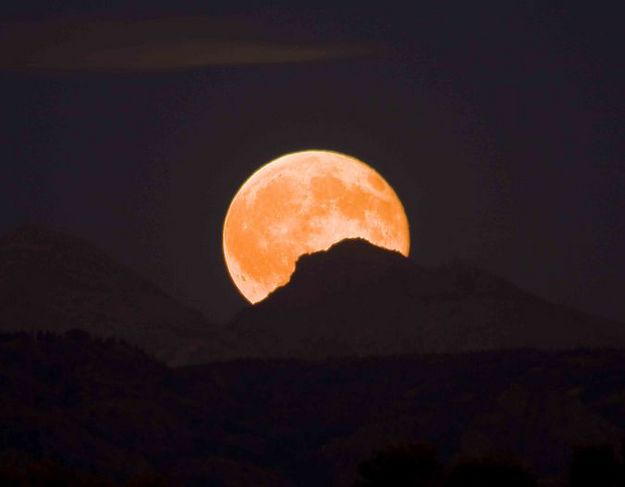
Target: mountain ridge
{"points": [[353, 300], [358, 299], [50, 280]]}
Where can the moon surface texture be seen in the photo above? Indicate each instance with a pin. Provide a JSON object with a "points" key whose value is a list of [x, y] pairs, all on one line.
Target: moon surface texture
{"points": [[301, 203]]}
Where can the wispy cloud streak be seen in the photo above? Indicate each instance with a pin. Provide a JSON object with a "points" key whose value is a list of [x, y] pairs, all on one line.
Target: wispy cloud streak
{"points": [[160, 44]]}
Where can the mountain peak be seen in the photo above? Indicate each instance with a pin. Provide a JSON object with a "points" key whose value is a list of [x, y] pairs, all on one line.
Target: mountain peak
{"points": [[350, 252], [356, 299], [354, 249], [347, 263]]}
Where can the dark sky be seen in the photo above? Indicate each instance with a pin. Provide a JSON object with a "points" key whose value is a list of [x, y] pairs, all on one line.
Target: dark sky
{"points": [[501, 127]]}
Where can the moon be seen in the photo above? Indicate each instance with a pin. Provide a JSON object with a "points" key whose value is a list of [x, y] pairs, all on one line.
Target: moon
{"points": [[301, 203]]}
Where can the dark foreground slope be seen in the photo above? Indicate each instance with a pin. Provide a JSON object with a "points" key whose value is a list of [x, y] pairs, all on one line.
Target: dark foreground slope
{"points": [[53, 281], [359, 300], [106, 407]]}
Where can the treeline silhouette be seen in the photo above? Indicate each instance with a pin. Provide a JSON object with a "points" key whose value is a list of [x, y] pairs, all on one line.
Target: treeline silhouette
{"points": [[406, 465], [47, 473], [418, 465], [97, 410]]}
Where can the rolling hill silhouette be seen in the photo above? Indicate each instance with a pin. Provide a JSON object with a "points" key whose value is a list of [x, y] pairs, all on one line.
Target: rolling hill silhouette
{"points": [[102, 406], [356, 299], [53, 281]]}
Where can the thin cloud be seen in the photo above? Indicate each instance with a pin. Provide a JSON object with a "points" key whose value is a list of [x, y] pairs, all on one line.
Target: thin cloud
{"points": [[161, 44]]}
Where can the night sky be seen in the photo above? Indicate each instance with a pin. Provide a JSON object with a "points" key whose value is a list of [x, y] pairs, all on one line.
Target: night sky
{"points": [[501, 128]]}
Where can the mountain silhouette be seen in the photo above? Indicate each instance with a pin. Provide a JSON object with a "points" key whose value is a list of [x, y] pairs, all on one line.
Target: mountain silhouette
{"points": [[53, 281], [356, 299], [376, 319]]}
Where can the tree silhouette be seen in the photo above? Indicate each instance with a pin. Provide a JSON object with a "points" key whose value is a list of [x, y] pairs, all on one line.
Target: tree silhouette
{"points": [[147, 480], [596, 466], [488, 472], [47, 473], [408, 465]]}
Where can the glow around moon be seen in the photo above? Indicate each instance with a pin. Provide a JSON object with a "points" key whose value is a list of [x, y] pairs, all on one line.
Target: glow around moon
{"points": [[301, 203]]}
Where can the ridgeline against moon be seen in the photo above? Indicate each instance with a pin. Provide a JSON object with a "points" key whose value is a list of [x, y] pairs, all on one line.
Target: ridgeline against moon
{"points": [[301, 203]]}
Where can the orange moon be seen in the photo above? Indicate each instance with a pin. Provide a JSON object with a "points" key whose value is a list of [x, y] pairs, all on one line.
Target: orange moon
{"points": [[301, 203]]}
